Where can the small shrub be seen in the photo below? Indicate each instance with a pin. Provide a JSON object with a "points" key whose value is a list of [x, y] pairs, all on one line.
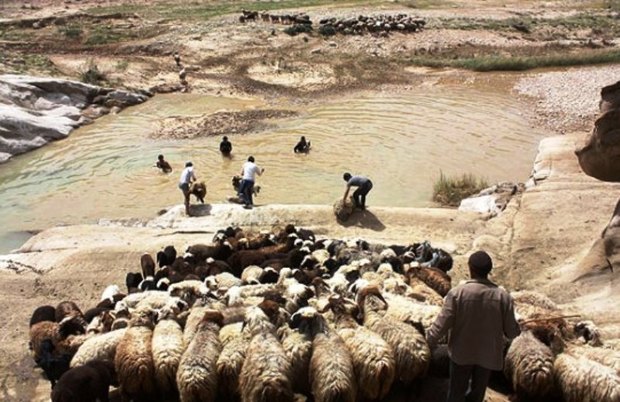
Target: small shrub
{"points": [[450, 191], [71, 31], [122, 65], [92, 74]]}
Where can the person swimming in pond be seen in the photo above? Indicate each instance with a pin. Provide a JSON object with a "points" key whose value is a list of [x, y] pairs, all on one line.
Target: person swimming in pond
{"points": [[163, 165], [302, 146], [225, 146]]}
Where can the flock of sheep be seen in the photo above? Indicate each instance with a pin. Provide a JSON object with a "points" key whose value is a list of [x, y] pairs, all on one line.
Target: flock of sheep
{"points": [[284, 316], [377, 24]]}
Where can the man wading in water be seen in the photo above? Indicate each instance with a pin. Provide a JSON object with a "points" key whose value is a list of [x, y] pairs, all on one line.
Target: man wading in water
{"points": [[187, 177]]}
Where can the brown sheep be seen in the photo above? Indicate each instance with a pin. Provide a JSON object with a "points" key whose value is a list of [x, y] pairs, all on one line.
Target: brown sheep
{"points": [[134, 361], [199, 190], [435, 278], [148, 265]]}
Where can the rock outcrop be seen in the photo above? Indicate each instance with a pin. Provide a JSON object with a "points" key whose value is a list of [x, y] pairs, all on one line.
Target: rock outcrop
{"points": [[599, 156], [492, 200], [37, 110]]}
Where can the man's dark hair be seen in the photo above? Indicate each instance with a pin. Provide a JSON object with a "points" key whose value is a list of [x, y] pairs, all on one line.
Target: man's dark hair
{"points": [[346, 176], [160, 156], [480, 264], [225, 138], [188, 164], [251, 159]]}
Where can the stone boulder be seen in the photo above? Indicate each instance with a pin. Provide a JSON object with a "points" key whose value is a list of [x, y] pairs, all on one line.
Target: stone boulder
{"points": [[599, 155], [36, 110]]}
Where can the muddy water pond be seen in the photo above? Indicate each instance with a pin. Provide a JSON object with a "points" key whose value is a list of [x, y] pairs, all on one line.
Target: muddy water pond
{"points": [[401, 141]]}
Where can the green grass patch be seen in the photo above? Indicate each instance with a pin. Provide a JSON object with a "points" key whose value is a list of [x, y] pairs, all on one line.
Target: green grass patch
{"points": [[122, 65], [72, 31], [203, 10], [449, 191], [521, 63], [102, 35], [92, 75]]}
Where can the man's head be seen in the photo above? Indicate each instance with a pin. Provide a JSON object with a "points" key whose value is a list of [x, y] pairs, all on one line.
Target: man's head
{"points": [[480, 264], [251, 159], [160, 157], [189, 164], [225, 138], [346, 176]]}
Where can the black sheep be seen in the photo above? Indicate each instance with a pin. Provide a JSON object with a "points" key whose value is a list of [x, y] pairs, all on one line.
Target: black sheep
{"points": [[54, 365], [88, 383], [167, 256], [132, 280], [43, 313]]}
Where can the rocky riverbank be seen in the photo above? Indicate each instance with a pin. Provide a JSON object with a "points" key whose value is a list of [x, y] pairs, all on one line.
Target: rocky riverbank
{"points": [[37, 110]]}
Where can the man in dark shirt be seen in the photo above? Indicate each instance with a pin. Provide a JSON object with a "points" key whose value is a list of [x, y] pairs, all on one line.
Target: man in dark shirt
{"points": [[363, 184], [478, 314], [225, 146]]}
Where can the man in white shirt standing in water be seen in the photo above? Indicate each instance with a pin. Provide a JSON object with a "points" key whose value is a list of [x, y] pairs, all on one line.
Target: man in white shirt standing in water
{"points": [[248, 173], [185, 182]]}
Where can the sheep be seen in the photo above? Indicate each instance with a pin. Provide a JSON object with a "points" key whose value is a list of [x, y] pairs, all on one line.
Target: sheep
{"points": [[220, 251], [225, 280], [229, 363], [109, 292], [101, 322], [198, 189], [411, 311], [54, 364], [166, 256], [606, 357], [411, 351], [331, 367], [134, 361], [589, 332], [529, 366], [148, 265], [87, 383], [298, 348], [132, 281], [583, 380], [435, 278], [58, 333], [191, 324], [373, 358], [266, 372], [101, 347], [69, 309], [167, 349], [43, 313], [197, 375]]}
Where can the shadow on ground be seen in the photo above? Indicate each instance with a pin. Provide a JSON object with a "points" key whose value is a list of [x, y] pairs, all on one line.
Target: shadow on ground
{"points": [[364, 219]]}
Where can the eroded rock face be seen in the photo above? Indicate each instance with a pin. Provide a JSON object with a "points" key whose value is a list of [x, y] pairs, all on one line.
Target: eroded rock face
{"points": [[37, 110], [599, 156]]}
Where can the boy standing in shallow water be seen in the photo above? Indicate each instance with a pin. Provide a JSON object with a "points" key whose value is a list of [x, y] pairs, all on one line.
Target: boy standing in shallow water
{"points": [[185, 182], [248, 173]]}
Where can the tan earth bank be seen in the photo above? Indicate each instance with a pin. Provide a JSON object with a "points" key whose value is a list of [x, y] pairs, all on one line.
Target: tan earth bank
{"points": [[548, 239]]}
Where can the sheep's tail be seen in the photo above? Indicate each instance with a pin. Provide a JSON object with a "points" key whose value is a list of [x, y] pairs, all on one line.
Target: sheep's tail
{"points": [[386, 378], [276, 390]]}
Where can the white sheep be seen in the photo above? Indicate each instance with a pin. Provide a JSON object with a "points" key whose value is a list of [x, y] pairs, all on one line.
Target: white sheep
{"points": [[167, 349], [583, 380], [197, 376], [100, 347], [266, 372]]}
